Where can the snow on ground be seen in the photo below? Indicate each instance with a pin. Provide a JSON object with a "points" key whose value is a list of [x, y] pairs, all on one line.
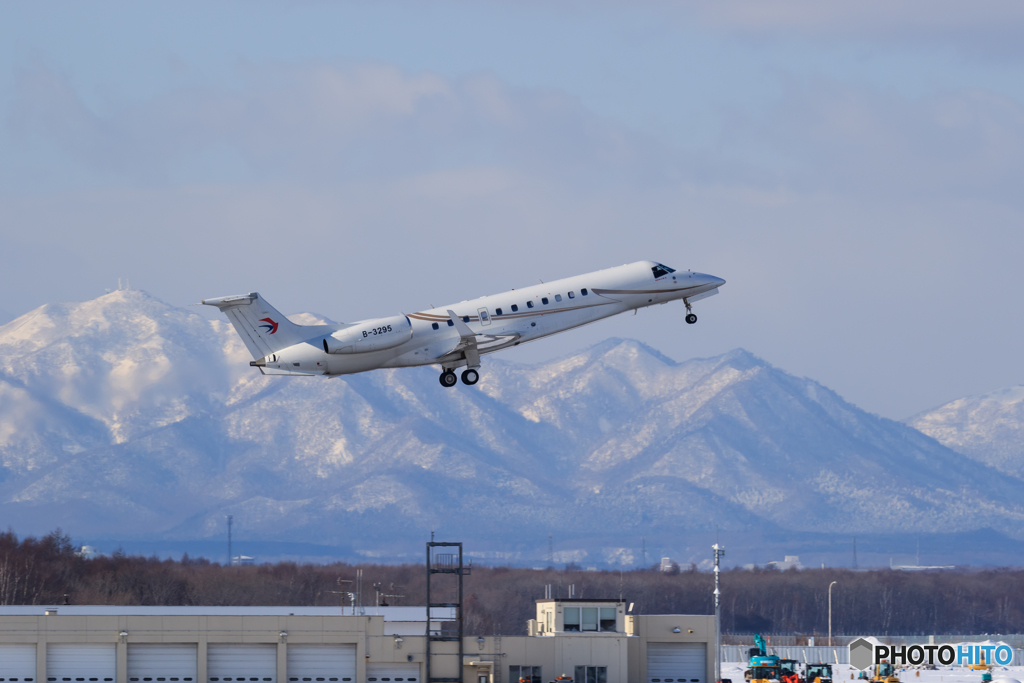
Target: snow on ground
{"points": [[843, 672]]}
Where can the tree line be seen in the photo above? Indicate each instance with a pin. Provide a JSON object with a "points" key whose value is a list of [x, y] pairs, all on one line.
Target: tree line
{"points": [[501, 599]]}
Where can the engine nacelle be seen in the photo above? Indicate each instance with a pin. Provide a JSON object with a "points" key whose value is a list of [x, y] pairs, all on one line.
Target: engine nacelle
{"points": [[370, 335]]}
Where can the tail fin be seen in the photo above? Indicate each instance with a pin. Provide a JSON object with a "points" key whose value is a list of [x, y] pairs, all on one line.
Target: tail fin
{"points": [[263, 329]]}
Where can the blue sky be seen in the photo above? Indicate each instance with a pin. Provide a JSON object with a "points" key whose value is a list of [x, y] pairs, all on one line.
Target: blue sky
{"points": [[853, 170]]}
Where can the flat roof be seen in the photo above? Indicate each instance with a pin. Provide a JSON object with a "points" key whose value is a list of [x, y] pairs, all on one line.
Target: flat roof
{"points": [[411, 613], [615, 600]]}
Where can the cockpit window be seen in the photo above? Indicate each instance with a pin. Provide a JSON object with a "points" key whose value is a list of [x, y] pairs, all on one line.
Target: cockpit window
{"points": [[660, 270]]}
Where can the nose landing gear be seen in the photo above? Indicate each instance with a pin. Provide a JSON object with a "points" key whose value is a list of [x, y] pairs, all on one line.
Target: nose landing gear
{"points": [[691, 317]]}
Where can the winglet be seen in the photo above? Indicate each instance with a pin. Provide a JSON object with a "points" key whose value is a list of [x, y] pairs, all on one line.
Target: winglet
{"points": [[462, 327]]}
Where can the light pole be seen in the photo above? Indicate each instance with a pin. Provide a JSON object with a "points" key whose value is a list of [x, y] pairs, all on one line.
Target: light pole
{"points": [[719, 551], [830, 613]]}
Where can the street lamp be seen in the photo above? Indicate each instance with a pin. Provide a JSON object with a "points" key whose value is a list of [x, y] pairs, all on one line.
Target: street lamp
{"points": [[830, 613], [719, 551]]}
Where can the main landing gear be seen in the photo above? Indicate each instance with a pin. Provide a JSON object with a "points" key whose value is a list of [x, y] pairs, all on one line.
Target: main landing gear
{"points": [[469, 377]]}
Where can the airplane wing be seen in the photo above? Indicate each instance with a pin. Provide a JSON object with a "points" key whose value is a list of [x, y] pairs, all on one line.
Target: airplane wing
{"points": [[467, 340], [471, 344], [461, 326]]}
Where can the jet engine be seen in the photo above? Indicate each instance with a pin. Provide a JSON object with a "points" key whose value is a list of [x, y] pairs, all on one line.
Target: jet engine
{"points": [[370, 335]]}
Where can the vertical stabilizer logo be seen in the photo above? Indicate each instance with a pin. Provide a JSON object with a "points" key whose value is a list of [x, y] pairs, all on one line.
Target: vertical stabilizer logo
{"points": [[270, 325]]}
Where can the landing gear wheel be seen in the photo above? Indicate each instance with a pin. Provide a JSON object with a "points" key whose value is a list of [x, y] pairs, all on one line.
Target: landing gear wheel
{"points": [[691, 318], [448, 379], [470, 377]]}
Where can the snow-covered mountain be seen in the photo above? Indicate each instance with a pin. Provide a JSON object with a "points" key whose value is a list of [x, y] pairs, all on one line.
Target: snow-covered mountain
{"points": [[125, 417], [987, 428]]}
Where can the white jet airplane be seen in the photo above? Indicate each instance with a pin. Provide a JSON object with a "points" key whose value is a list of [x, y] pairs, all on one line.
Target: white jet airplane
{"points": [[457, 335]]}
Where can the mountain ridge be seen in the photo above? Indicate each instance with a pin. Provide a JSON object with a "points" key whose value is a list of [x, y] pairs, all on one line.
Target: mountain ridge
{"points": [[148, 422], [988, 428]]}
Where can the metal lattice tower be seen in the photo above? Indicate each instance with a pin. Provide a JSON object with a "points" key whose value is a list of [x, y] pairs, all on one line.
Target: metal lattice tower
{"points": [[445, 563]]}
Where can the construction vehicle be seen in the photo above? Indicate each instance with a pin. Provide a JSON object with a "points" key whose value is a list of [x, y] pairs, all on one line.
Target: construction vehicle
{"points": [[983, 665], [789, 669], [818, 673], [763, 666], [883, 672]]}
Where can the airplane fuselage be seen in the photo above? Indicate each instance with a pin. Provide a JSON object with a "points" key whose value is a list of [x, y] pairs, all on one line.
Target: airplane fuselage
{"points": [[499, 321]]}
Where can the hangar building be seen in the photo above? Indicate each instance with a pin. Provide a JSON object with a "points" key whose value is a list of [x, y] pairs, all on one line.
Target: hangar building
{"points": [[583, 641]]}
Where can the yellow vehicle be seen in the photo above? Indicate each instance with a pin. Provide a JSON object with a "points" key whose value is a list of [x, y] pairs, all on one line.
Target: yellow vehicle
{"points": [[818, 673], [980, 666], [762, 674], [884, 673]]}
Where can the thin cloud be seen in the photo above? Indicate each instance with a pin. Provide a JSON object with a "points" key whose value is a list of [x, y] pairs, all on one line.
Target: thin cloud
{"points": [[321, 123], [987, 28]]}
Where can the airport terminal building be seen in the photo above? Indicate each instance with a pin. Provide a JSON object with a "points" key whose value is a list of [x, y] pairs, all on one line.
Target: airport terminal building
{"points": [[583, 641]]}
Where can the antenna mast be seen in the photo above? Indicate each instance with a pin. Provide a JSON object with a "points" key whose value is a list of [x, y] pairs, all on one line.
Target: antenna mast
{"points": [[231, 519]]}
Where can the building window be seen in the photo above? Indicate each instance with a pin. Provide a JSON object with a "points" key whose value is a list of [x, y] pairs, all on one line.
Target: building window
{"points": [[583, 291], [544, 301], [497, 311], [589, 619], [558, 297], [608, 619], [591, 674], [550, 623], [515, 307], [571, 619], [529, 304], [524, 674], [434, 325], [571, 295]]}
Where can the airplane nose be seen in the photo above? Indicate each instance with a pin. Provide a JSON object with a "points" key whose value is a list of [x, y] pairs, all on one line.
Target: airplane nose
{"points": [[717, 281]]}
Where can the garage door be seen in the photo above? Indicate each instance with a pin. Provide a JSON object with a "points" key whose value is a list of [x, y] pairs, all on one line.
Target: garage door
{"points": [[384, 673], [676, 663], [17, 663], [81, 662], [161, 662], [321, 663], [234, 663]]}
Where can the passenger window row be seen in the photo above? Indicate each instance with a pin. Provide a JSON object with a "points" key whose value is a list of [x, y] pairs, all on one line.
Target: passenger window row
{"points": [[515, 308], [72, 679], [544, 300], [155, 679]]}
